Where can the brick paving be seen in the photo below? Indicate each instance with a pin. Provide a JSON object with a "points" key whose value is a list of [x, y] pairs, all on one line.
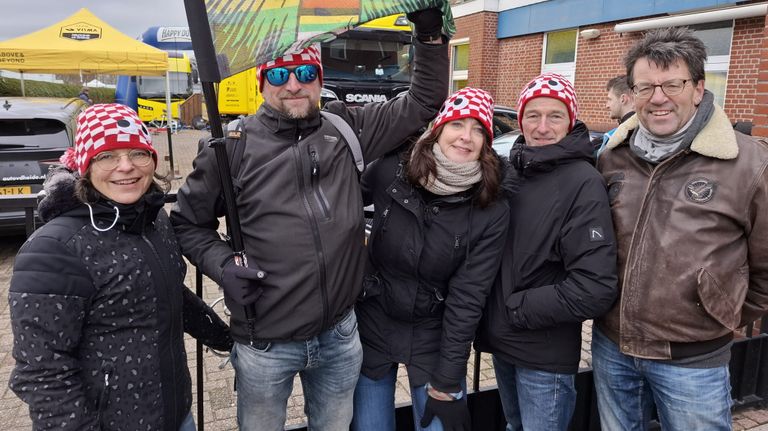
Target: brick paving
{"points": [[219, 397]]}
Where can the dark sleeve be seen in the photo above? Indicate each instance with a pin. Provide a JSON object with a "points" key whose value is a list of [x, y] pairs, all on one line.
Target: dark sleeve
{"points": [[467, 291], [202, 323], [382, 127], [588, 253], [194, 216], [756, 301], [48, 300]]}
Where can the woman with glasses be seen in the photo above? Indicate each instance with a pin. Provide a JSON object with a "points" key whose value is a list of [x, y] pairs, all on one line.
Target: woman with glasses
{"points": [[435, 247], [97, 297]]}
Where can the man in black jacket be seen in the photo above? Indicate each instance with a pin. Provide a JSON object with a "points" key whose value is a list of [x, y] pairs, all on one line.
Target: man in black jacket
{"points": [[300, 208], [559, 264]]}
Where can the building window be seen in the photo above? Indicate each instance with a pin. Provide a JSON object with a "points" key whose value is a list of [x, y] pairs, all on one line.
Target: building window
{"points": [[560, 53], [459, 64], [717, 38]]}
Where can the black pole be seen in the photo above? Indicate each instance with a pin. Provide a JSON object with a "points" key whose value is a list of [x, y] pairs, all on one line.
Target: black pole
{"points": [[202, 43], [199, 357]]}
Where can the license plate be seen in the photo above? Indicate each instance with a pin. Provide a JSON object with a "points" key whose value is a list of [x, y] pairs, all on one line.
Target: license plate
{"points": [[15, 190]]}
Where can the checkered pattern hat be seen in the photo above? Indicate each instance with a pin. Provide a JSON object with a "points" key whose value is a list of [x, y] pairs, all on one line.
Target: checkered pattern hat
{"points": [[549, 85], [308, 55], [467, 103], [108, 127]]}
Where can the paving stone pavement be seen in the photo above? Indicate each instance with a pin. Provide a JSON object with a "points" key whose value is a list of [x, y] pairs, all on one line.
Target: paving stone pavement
{"points": [[219, 398]]}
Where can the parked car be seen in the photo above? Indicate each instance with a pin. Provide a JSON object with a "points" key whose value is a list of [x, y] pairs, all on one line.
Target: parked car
{"points": [[34, 133]]}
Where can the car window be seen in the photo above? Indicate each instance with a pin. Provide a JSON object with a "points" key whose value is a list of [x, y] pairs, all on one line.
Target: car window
{"points": [[503, 122], [32, 133]]}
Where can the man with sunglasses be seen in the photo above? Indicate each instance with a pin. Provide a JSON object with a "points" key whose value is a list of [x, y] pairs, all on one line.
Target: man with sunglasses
{"points": [[301, 213], [689, 198]]}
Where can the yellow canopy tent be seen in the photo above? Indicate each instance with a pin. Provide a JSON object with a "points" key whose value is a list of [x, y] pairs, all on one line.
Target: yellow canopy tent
{"points": [[81, 43]]}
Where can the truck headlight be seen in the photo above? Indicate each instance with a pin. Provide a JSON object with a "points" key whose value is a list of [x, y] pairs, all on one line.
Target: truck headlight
{"points": [[328, 94]]}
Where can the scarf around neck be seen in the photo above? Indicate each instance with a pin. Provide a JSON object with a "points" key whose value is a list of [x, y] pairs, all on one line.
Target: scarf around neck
{"points": [[452, 177]]}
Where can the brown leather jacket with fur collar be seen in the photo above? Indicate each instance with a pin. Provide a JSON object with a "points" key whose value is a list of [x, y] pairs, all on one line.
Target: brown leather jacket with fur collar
{"points": [[692, 235]]}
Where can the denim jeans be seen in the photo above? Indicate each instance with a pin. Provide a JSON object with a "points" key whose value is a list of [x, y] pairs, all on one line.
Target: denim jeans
{"points": [[328, 366], [188, 424], [685, 398], [375, 404], [535, 400]]}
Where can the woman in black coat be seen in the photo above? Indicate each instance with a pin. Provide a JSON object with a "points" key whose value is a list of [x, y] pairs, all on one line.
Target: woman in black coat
{"points": [[434, 249], [97, 297]]}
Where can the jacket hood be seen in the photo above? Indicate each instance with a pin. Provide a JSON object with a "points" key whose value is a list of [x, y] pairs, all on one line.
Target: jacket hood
{"points": [[575, 146], [717, 139]]}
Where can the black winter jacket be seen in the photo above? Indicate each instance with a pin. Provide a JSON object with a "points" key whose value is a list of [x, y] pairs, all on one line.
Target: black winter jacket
{"points": [[97, 317], [433, 260], [300, 205], [559, 264]]}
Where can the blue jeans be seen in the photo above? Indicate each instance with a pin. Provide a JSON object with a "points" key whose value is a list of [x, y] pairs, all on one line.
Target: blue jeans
{"points": [[685, 398], [535, 400], [328, 366], [375, 404], [188, 424]]}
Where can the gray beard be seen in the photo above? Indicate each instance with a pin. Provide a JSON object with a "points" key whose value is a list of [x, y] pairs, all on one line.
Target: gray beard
{"points": [[312, 112]]}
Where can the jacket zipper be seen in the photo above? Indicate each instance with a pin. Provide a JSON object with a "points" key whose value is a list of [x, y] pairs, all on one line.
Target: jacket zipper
{"points": [[315, 182], [106, 368], [315, 231], [173, 321], [641, 216]]}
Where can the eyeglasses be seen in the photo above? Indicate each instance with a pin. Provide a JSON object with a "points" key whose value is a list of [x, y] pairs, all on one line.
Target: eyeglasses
{"points": [[305, 74], [673, 87], [109, 160]]}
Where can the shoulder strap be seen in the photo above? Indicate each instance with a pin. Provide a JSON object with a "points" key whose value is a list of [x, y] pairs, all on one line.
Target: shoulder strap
{"points": [[353, 143], [236, 140]]}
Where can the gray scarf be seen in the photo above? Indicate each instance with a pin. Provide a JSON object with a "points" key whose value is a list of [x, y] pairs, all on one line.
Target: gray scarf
{"points": [[655, 149], [452, 177]]}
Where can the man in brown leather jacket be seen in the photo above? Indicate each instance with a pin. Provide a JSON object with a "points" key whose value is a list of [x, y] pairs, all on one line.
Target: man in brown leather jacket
{"points": [[689, 198]]}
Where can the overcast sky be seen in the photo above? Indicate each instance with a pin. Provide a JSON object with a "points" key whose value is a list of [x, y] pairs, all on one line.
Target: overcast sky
{"points": [[132, 17]]}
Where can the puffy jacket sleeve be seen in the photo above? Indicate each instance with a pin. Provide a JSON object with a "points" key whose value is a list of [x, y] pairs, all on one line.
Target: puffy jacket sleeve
{"points": [[587, 250], [756, 301], [48, 298], [195, 220], [464, 302], [202, 323], [382, 127]]}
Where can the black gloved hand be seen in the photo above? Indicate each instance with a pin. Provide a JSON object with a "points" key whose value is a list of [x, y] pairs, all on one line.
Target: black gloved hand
{"points": [[428, 23], [242, 284], [453, 414]]}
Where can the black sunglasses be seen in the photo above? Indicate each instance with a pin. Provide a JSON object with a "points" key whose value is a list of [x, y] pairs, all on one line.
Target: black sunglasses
{"points": [[305, 74]]}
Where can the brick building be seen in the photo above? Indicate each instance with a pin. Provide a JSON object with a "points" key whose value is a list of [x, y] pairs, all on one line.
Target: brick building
{"points": [[501, 44]]}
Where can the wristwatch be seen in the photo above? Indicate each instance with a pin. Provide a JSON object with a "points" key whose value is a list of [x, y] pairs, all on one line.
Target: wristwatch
{"points": [[455, 396]]}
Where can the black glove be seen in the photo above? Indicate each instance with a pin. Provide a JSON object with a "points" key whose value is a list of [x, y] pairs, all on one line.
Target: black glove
{"points": [[242, 284], [453, 414], [427, 22]]}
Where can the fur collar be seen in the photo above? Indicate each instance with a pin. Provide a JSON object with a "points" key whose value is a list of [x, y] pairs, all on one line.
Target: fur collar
{"points": [[717, 139]]}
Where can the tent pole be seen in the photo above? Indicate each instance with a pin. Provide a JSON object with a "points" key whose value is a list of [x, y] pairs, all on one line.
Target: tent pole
{"points": [[169, 121], [21, 72]]}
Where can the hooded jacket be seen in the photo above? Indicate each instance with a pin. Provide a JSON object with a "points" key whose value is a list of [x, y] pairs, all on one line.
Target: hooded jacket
{"points": [[559, 262], [97, 316], [692, 237], [300, 205], [433, 260]]}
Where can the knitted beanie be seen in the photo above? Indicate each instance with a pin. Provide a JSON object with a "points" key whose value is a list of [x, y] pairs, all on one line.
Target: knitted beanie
{"points": [[308, 55], [467, 103], [549, 85], [107, 127]]}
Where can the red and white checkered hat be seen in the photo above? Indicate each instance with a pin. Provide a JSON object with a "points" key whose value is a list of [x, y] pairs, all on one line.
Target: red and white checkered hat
{"points": [[108, 127], [467, 103], [308, 55], [549, 85]]}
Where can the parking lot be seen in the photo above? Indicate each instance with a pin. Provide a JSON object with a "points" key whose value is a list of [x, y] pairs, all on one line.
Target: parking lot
{"points": [[219, 397]]}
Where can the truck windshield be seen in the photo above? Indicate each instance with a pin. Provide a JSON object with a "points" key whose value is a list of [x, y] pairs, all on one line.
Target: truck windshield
{"points": [[154, 86], [366, 60]]}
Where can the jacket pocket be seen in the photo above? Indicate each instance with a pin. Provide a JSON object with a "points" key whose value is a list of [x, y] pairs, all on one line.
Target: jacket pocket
{"points": [[722, 300]]}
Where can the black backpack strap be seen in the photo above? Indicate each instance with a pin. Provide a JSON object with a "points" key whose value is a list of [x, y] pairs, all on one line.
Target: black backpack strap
{"points": [[353, 143], [235, 139]]}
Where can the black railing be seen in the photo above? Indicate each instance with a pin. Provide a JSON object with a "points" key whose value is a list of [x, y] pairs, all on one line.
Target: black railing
{"points": [[748, 366]]}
